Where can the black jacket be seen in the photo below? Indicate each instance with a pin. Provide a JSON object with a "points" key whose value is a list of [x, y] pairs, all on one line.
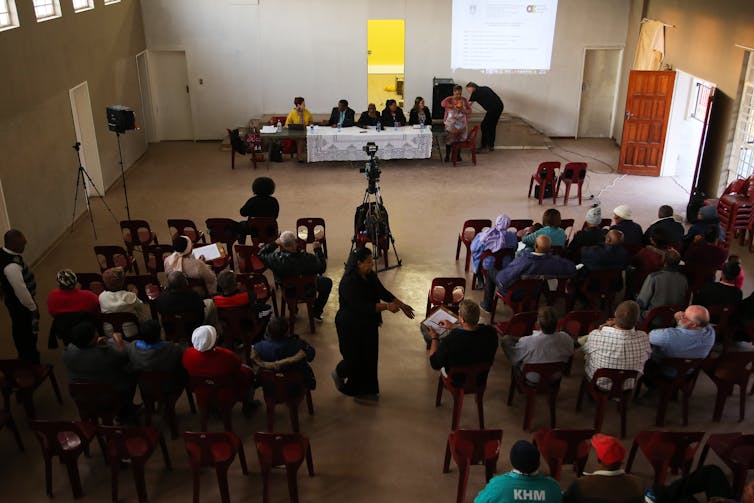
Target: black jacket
{"points": [[261, 206], [413, 117], [283, 263], [348, 120], [389, 121], [487, 99], [365, 120]]}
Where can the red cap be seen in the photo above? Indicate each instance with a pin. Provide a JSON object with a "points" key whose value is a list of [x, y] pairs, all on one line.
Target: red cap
{"points": [[609, 449]]}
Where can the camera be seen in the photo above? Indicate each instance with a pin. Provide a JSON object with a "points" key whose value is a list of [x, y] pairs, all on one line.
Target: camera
{"points": [[370, 148], [371, 168]]}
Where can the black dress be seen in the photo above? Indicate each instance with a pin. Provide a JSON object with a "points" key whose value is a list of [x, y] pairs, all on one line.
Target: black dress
{"points": [[389, 120], [365, 120], [357, 323]]}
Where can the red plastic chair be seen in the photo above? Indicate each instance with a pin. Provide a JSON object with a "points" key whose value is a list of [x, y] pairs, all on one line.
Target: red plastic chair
{"points": [[225, 231], [544, 176], [686, 374], [474, 379], [520, 325], [599, 289], [660, 317], [65, 440], [117, 320], [736, 451], [729, 370], [550, 375], [281, 449], [441, 293], [573, 172], [217, 393], [178, 327], [262, 230], [474, 447], [296, 290], [522, 296], [152, 384], [115, 256], [259, 288], [91, 281], [665, 450], [307, 230], [240, 326], [519, 224], [617, 391], [248, 259], [135, 443], [183, 227], [215, 450], [564, 447], [580, 323], [154, 257], [700, 274], [137, 233], [147, 289], [567, 224], [23, 378], [480, 275], [720, 317], [469, 143], [97, 403], [6, 419], [470, 229]]}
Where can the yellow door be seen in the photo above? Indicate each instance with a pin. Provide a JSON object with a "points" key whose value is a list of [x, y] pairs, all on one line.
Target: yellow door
{"points": [[385, 49]]}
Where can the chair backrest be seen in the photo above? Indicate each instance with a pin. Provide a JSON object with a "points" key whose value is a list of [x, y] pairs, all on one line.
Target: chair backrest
{"points": [[473, 227], [154, 257], [275, 118], [112, 256], [59, 437], [19, 373], [473, 377], [257, 286], [96, 402], [240, 324], [154, 385], [262, 229], [700, 274], [147, 286], [550, 375], [520, 325], [183, 227], [733, 366], [222, 230], [660, 317], [179, 326], [310, 229], [720, 316], [136, 232], [676, 448], [282, 386], [248, 259], [117, 320], [546, 170], [275, 449], [300, 288], [442, 292], [126, 442], [602, 283], [499, 257], [207, 449], [471, 138], [217, 392], [617, 378], [567, 446], [474, 447], [574, 172], [685, 371], [523, 295], [91, 281], [579, 323], [520, 224]]}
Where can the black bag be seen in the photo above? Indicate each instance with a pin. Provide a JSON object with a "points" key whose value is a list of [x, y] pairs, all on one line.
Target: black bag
{"points": [[696, 201], [276, 153], [237, 143], [548, 191]]}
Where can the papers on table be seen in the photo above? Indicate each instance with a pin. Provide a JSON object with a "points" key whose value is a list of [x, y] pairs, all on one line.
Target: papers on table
{"points": [[437, 315], [210, 252], [269, 129]]}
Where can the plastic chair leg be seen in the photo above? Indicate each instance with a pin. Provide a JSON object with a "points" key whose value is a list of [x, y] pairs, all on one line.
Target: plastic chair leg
{"points": [[446, 459], [165, 455], [567, 193], [580, 396], [440, 386], [55, 387], [463, 480], [473, 154], [197, 484], [531, 184], [114, 473], [72, 467], [480, 408], [11, 424], [309, 461], [242, 459], [530, 401], [553, 398], [48, 474], [222, 482], [741, 405], [309, 402], [458, 249], [599, 412], [468, 257], [290, 471], [722, 394], [139, 480]]}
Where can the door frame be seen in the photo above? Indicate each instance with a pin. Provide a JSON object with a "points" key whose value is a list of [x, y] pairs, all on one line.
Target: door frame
{"points": [[152, 86], [147, 121], [616, 47], [89, 147]]}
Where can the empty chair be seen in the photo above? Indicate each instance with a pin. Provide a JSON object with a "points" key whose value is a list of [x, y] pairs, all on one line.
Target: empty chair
{"points": [[154, 387], [154, 257], [183, 227], [137, 234], [97, 403], [469, 143], [136, 444], [474, 447], [178, 327], [601, 394], [281, 449], [729, 370], [115, 256], [545, 176], [523, 295], [309, 230], [564, 447], [248, 259], [259, 289], [225, 231], [470, 229], [736, 451], [550, 375], [23, 378], [686, 371], [91, 281], [448, 292], [262, 230], [214, 450], [216, 393], [301, 289], [665, 450], [6, 419], [520, 325], [573, 172], [65, 440]]}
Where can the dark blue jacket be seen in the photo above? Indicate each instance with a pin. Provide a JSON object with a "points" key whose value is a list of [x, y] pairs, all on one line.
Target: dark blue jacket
{"points": [[534, 265], [632, 232]]}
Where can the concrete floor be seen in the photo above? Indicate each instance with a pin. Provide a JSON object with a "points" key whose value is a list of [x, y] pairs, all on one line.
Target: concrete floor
{"points": [[392, 450]]}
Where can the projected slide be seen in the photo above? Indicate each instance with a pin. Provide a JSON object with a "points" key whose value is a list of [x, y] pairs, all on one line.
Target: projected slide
{"points": [[502, 34]]}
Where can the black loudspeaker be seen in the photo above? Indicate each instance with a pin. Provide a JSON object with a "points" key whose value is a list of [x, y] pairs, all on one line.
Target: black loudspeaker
{"points": [[441, 89], [120, 119]]}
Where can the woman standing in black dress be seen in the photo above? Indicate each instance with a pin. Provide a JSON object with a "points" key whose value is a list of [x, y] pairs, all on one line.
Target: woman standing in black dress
{"points": [[362, 300]]}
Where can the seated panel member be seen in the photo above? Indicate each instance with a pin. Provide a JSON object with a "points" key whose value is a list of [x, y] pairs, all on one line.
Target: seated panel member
{"points": [[420, 113], [369, 118], [392, 115], [342, 115], [299, 115]]}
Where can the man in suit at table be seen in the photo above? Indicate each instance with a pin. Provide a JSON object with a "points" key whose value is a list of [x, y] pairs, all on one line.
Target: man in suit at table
{"points": [[342, 115]]}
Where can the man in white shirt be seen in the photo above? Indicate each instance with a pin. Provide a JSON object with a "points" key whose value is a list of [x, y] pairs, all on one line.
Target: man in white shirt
{"points": [[19, 287]]}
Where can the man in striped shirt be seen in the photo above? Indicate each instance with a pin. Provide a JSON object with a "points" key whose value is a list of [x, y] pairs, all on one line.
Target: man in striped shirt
{"points": [[19, 287]]}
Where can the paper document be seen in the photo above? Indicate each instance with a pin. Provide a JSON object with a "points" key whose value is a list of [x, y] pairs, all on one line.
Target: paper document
{"points": [[269, 129], [210, 252], [437, 315]]}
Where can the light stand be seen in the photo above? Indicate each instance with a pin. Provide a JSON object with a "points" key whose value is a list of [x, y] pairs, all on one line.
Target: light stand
{"points": [[123, 176], [81, 178]]}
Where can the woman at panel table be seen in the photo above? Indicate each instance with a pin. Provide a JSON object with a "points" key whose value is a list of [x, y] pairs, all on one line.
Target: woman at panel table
{"points": [[392, 115], [456, 120], [369, 118], [299, 115], [419, 114]]}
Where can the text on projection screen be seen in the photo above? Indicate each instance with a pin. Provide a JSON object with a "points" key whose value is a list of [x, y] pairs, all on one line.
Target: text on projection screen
{"points": [[502, 35]]}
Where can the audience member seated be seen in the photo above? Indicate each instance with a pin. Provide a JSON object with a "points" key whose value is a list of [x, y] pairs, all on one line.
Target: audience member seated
{"points": [[591, 235], [610, 256], [370, 117], [182, 259], [94, 359], [205, 359], [68, 306], [666, 287], [650, 259], [632, 232], [550, 227], [392, 115], [617, 344], [229, 295], [707, 216], [467, 343], [493, 239], [735, 259], [261, 204], [609, 483], [150, 352], [539, 262], [671, 228], [290, 261], [419, 114], [342, 115], [708, 479], [117, 300], [704, 251], [723, 292], [179, 297], [281, 351], [692, 337], [545, 345], [524, 482], [299, 115]]}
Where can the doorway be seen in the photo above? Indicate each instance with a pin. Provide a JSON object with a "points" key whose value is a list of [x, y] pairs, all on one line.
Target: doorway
{"points": [[385, 61], [169, 92], [598, 91], [83, 123], [147, 107]]}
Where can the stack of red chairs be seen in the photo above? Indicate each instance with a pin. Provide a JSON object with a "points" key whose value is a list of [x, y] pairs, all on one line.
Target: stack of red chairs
{"points": [[736, 208]]}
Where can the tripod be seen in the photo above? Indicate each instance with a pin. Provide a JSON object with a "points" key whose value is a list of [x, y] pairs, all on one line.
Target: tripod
{"points": [[81, 178], [123, 175], [375, 223]]}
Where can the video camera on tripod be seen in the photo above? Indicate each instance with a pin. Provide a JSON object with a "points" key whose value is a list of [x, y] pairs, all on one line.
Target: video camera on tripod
{"points": [[371, 168]]}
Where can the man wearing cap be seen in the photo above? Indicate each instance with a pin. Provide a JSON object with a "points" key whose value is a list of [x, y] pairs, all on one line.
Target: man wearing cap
{"points": [[182, 259], [608, 484], [524, 482], [671, 228], [632, 232], [592, 234], [68, 306]]}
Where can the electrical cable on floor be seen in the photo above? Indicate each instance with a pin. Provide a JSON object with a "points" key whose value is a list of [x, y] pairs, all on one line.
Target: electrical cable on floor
{"points": [[612, 169]]}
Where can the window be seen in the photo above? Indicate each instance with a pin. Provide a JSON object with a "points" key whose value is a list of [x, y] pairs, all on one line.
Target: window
{"points": [[742, 153], [108, 2], [8, 17], [82, 5], [46, 9]]}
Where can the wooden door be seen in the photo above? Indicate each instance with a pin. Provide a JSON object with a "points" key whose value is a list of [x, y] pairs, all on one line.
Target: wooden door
{"points": [[646, 122]]}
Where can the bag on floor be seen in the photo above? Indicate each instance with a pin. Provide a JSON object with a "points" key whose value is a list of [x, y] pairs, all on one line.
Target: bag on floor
{"points": [[276, 153]]}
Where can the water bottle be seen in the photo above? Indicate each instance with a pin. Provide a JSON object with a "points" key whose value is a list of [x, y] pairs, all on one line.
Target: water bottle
{"points": [[311, 127], [379, 126], [279, 126], [339, 127], [421, 124], [395, 125]]}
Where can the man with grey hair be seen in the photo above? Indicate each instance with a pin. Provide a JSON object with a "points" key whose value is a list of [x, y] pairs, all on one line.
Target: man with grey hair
{"points": [[290, 261]]}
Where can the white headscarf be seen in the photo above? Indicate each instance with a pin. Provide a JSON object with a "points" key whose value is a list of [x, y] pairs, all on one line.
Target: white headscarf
{"points": [[204, 338], [174, 261]]}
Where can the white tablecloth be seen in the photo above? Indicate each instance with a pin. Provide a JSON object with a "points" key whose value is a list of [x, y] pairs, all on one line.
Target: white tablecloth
{"points": [[329, 144]]}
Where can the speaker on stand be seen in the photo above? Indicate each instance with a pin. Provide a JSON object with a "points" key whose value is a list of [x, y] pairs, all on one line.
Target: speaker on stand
{"points": [[441, 89]]}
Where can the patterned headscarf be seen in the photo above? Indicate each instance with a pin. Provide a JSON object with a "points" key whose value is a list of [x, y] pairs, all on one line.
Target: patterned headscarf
{"points": [[497, 237], [66, 279]]}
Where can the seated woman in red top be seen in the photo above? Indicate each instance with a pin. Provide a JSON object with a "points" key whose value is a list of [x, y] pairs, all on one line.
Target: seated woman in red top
{"points": [[69, 306], [229, 294]]}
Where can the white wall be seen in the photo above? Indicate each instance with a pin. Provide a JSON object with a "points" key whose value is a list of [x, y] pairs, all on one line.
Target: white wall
{"points": [[254, 59]]}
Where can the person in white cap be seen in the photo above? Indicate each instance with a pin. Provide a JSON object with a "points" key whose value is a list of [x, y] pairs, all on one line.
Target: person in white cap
{"points": [[591, 235], [183, 260], [632, 232]]}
